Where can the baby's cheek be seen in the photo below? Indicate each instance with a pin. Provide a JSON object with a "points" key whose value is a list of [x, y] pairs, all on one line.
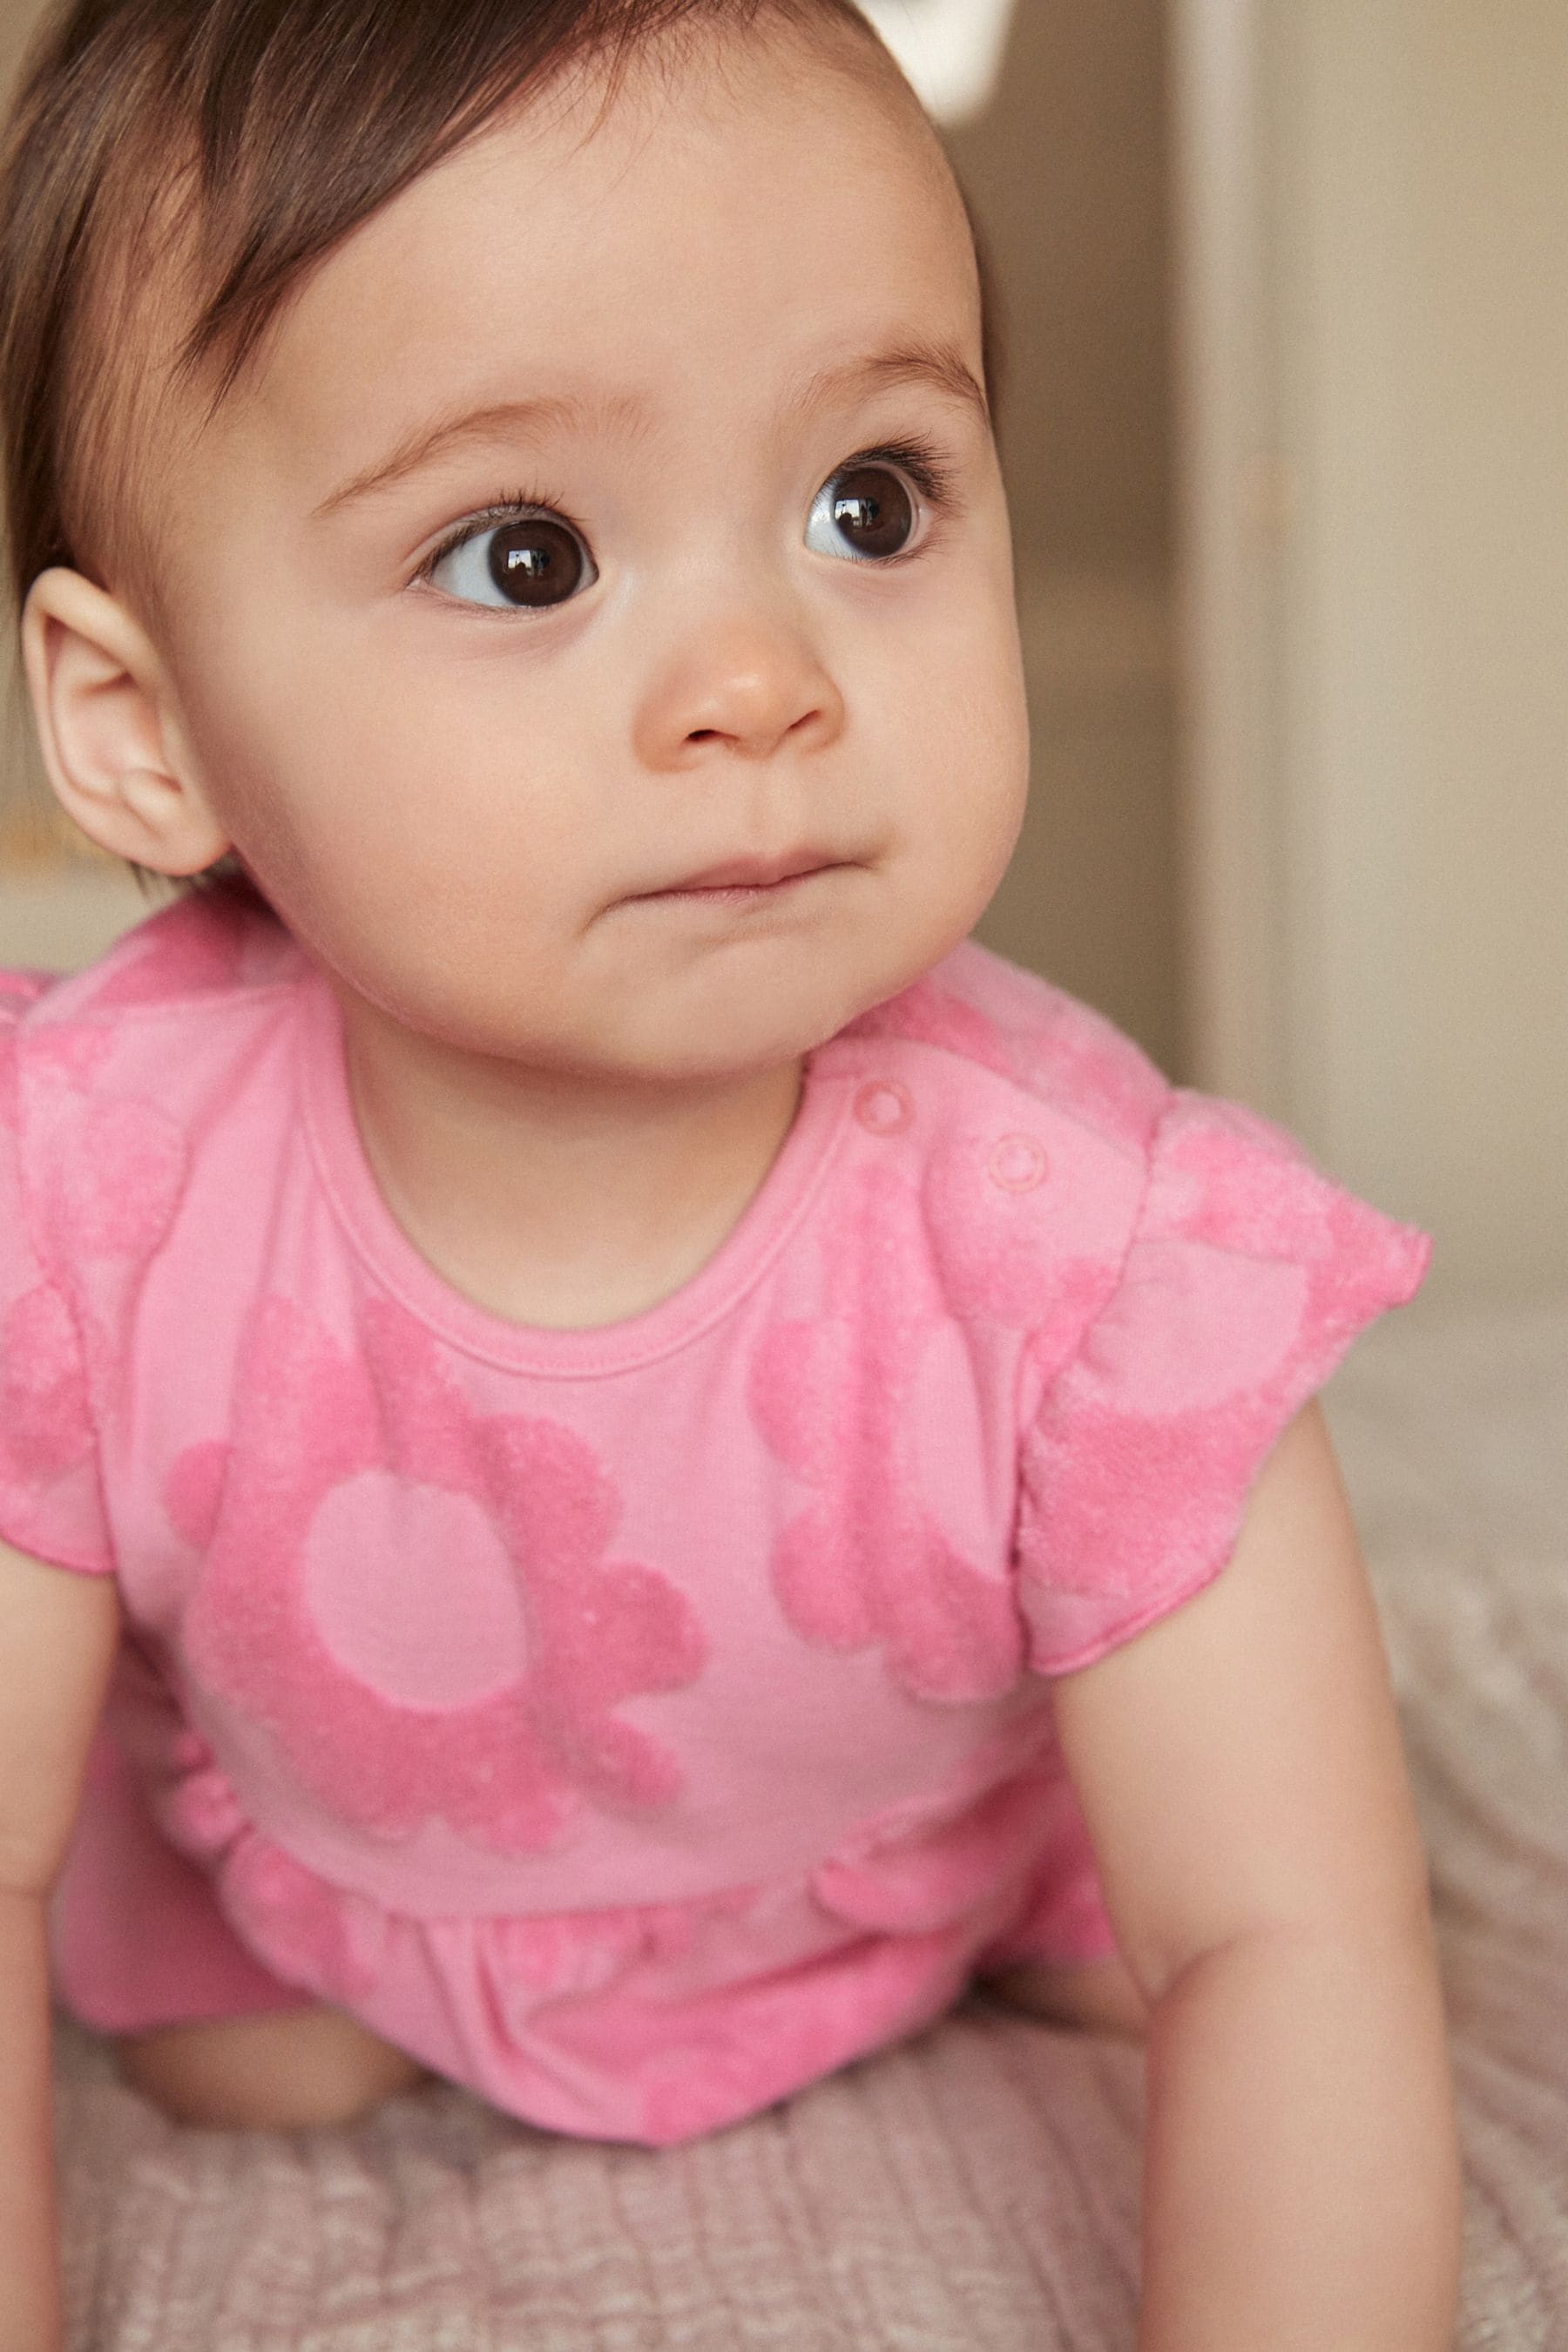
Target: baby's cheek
{"points": [[961, 837], [968, 768]]}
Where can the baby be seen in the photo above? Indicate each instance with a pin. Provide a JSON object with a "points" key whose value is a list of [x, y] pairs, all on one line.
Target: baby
{"points": [[660, 1462]]}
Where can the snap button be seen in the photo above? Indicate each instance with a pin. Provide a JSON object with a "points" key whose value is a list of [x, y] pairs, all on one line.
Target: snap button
{"points": [[1018, 1163], [883, 1106]]}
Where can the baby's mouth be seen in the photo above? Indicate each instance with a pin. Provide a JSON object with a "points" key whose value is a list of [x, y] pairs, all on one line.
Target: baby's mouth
{"points": [[739, 879]]}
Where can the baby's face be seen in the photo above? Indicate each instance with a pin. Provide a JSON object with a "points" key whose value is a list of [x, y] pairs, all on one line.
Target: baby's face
{"points": [[615, 516]]}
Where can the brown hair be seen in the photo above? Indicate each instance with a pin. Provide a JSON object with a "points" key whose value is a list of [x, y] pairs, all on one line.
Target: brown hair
{"points": [[235, 141]]}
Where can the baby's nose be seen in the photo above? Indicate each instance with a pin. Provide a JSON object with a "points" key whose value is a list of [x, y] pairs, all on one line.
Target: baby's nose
{"points": [[745, 684]]}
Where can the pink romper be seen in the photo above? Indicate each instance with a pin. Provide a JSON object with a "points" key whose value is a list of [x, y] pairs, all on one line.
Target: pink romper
{"points": [[635, 1723]]}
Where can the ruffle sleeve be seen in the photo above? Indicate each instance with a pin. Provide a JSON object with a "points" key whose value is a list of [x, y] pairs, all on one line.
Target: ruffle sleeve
{"points": [[51, 1500], [1248, 1276]]}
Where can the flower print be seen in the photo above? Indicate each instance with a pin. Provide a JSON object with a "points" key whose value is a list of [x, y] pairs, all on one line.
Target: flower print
{"points": [[1248, 1276], [414, 1597], [309, 1932], [19, 992], [1062, 1053], [1025, 1226], [669, 2003], [713, 2061], [832, 1397], [66, 1062], [1226, 1176], [46, 1419], [124, 1179], [117, 1192], [930, 1015], [20, 989], [195, 947], [573, 1955]]}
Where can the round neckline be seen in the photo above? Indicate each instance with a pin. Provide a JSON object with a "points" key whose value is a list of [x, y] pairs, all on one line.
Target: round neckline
{"points": [[343, 1171]]}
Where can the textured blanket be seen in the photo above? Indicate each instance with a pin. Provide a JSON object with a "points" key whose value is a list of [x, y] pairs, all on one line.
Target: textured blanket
{"points": [[974, 2189]]}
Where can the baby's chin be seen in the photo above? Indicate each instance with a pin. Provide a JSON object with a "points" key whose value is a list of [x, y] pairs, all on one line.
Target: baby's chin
{"points": [[726, 1042], [727, 1036], [718, 1039]]}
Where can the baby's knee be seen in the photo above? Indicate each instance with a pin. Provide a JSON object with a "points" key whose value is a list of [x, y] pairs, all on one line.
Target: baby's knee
{"points": [[277, 2071]]}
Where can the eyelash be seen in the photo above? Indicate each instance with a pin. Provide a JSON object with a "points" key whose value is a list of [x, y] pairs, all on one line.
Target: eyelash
{"points": [[926, 467], [504, 508], [932, 475]]}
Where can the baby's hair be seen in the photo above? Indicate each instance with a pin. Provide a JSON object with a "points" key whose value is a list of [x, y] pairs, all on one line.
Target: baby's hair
{"points": [[172, 160]]}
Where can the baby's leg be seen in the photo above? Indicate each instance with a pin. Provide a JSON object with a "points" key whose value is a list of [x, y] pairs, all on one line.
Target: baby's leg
{"points": [[1100, 1994], [272, 2071]]}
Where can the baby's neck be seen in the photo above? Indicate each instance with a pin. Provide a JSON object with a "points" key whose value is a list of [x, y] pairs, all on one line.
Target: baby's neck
{"points": [[552, 1200]]}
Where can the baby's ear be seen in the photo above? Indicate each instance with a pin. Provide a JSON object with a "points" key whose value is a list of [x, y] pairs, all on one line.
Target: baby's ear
{"points": [[104, 713]]}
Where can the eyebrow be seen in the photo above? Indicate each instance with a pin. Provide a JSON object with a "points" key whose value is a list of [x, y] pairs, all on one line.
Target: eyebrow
{"points": [[499, 420], [939, 366]]}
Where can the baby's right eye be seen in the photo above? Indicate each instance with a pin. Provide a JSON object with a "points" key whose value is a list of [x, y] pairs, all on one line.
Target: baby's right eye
{"points": [[517, 562]]}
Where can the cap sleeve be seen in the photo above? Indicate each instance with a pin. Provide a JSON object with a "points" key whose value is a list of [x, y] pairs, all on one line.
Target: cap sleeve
{"points": [[50, 1501], [1248, 1276]]}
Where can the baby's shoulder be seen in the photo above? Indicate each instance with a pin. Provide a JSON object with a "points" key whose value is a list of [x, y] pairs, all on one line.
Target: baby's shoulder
{"points": [[985, 1035], [1052, 1176], [200, 970], [128, 1058], [1003, 1139]]}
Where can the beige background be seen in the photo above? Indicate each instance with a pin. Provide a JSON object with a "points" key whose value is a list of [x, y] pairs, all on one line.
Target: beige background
{"points": [[1068, 174], [1376, 210], [1426, 605]]}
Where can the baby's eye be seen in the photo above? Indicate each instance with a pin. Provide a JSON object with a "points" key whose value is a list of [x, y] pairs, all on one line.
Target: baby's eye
{"points": [[525, 562], [867, 511]]}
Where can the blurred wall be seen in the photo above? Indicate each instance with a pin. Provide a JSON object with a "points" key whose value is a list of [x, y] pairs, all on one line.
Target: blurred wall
{"points": [[1067, 175], [1421, 210]]}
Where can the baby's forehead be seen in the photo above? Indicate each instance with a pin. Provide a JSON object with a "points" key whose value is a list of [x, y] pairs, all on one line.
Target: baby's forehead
{"points": [[579, 182], [737, 225]]}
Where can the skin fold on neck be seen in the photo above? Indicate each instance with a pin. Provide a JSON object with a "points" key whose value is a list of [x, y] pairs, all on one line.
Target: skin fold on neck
{"points": [[550, 1200]]}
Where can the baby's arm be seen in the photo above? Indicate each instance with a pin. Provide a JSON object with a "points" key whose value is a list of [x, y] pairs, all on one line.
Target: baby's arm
{"points": [[1240, 1769], [58, 1638]]}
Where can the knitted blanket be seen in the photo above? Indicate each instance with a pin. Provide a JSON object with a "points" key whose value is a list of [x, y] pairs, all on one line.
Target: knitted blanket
{"points": [[974, 2189]]}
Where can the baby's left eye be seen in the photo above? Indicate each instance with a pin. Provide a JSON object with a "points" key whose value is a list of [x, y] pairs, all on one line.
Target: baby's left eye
{"points": [[866, 512]]}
